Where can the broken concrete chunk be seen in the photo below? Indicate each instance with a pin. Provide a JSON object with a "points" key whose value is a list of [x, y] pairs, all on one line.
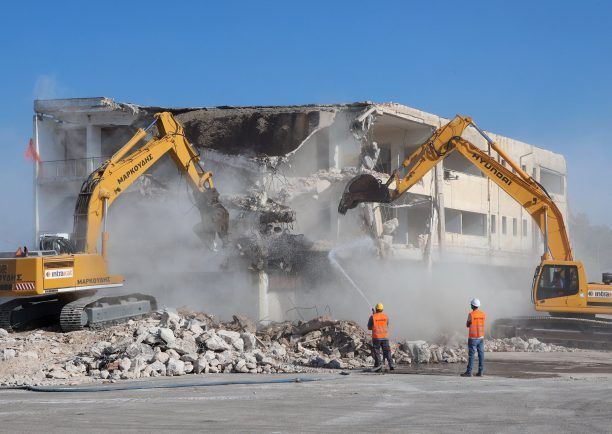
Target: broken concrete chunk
{"points": [[162, 357], [184, 346], [125, 364], [99, 348], [229, 336], [244, 324], [170, 319], [140, 350], [58, 373], [7, 353], [200, 365], [248, 340], [175, 367], [216, 343], [167, 335]]}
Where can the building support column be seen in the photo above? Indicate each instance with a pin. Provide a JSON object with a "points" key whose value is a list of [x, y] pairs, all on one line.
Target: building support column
{"points": [[439, 201], [264, 307], [35, 176], [93, 147], [334, 163]]}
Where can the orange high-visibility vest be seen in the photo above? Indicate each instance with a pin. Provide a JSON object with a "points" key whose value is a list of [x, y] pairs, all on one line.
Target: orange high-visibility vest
{"points": [[379, 326], [477, 324]]}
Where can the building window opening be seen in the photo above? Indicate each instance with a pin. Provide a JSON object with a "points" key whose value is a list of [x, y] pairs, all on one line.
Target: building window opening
{"points": [[552, 182], [473, 223], [504, 225], [524, 228], [493, 223], [514, 227], [452, 220], [459, 163]]}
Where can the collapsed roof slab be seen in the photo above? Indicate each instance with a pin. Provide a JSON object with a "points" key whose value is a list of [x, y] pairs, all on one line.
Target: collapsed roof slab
{"points": [[256, 131]]}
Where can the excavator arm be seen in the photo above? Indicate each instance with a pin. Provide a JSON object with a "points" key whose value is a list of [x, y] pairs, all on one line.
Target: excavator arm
{"points": [[446, 139], [113, 177]]}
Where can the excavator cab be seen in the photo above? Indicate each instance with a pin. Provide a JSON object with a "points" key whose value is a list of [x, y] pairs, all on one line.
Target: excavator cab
{"points": [[363, 188], [556, 280]]}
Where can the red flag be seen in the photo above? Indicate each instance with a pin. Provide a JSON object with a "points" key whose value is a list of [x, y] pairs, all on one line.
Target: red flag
{"points": [[30, 153]]}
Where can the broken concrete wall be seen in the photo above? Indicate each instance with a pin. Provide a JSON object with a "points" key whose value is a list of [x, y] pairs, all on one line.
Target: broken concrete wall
{"points": [[282, 170]]}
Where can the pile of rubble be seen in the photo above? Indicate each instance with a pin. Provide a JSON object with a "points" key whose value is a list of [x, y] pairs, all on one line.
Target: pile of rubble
{"points": [[184, 342]]}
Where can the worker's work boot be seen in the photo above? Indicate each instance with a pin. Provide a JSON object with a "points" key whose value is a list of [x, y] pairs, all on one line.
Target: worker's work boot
{"points": [[466, 374], [480, 374]]}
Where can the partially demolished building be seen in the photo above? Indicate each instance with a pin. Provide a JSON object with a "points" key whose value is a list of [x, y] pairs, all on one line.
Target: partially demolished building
{"points": [[293, 163]]}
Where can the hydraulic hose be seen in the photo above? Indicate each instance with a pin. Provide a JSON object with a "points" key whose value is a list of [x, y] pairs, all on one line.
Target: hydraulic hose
{"points": [[146, 386]]}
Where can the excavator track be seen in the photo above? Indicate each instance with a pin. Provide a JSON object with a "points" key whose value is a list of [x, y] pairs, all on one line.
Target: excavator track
{"points": [[73, 314], [27, 311], [567, 331], [94, 311], [6, 310]]}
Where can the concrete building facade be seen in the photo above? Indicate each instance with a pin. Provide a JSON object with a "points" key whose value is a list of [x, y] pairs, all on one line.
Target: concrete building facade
{"points": [[300, 158], [74, 136]]}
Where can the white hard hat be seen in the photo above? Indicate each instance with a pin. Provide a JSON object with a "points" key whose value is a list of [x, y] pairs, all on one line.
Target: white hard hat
{"points": [[475, 302]]}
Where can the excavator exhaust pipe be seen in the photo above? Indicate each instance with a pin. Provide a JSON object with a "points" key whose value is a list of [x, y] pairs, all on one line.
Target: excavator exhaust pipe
{"points": [[363, 188]]}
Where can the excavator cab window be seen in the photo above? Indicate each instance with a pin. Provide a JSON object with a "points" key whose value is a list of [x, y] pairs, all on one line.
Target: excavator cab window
{"points": [[557, 281]]}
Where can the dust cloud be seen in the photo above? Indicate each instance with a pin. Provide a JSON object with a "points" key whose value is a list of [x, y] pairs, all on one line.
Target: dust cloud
{"points": [[152, 243], [422, 304]]}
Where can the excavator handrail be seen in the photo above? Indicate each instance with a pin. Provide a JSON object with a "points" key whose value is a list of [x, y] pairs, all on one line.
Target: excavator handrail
{"points": [[114, 176]]}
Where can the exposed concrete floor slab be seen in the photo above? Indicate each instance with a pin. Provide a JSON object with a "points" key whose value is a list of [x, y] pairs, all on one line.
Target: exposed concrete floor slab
{"points": [[358, 402]]}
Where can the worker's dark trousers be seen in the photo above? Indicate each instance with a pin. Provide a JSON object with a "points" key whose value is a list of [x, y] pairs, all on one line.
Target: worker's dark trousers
{"points": [[473, 346], [386, 350]]}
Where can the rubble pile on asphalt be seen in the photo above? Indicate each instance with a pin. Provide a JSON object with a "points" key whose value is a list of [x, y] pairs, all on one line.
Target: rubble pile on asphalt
{"points": [[186, 342]]}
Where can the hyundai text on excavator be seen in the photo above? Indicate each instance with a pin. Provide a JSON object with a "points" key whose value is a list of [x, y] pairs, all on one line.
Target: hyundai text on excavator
{"points": [[61, 280], [560, 286]]}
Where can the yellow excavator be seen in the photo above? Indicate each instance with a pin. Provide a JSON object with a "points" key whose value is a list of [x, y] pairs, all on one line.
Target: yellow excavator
{"points": [[560, 286], [61, 280]]}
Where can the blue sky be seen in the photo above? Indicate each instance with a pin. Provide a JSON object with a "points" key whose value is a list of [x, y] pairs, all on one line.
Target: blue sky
{"points": [[535, 71]]}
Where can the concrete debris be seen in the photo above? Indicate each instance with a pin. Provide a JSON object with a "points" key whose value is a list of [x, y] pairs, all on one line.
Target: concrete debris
{"points": [[175, 343]]}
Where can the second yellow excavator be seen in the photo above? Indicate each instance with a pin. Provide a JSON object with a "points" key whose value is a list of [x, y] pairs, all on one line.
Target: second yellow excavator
{"points": [[560, 285], [61, 280]]}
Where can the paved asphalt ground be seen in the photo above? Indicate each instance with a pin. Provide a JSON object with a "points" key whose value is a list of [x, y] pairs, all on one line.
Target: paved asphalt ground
{"points": [[577, 399]]}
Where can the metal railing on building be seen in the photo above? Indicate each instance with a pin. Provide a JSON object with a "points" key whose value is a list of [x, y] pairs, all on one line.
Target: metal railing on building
{"points": [[66, 170]]}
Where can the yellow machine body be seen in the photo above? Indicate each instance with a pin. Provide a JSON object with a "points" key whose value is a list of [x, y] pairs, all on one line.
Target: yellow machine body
{"points": [[43, 275], [83, 268], [570, 294]]}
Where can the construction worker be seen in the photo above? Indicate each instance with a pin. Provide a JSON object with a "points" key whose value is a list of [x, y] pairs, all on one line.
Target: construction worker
{"points": [[476, 326], [379, 324], [19, 253]]}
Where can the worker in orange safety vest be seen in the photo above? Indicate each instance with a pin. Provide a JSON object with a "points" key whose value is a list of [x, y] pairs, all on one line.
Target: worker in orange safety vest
{"points": [[379, 324], [476, 326]]}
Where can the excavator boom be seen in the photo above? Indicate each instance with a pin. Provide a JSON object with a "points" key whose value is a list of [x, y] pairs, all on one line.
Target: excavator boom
{"points": [[560, 286], [445, 140], [114, 176], [61, 280]]}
